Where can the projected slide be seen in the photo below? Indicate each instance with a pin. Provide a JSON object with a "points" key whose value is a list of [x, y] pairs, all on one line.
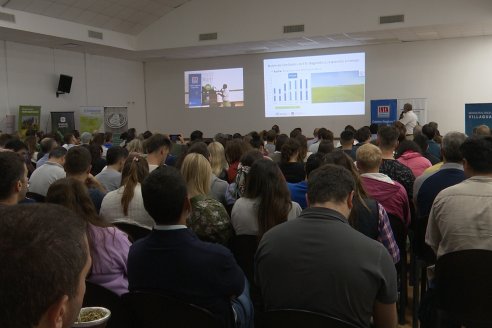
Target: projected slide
{"points": [[315, 86], [214, 88]]}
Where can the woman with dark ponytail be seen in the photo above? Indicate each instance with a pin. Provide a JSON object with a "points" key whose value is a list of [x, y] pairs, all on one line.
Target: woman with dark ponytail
{"points": [[126, 204], [291, 167]]}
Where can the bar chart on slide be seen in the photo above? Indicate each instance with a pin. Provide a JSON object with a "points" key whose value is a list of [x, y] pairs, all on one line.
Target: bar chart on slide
{"points": [[315, 85], [292, 89]]}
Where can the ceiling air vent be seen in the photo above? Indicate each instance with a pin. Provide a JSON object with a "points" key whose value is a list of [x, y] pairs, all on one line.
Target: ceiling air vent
{"points": [[7, 17], [293, 28], [391, 19], [207, 36], [95, 35]]}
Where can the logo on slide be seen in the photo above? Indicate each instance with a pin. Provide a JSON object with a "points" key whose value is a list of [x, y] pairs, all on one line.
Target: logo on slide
{"points": [[194, 79], [383, 112]]}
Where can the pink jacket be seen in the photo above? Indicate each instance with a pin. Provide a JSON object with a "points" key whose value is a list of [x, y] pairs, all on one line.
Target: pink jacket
{"points": [[393, 197], [415, 161]]}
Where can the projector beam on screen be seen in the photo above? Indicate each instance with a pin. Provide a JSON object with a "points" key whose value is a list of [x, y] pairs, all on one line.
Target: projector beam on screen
{"points": [[328, 85]]}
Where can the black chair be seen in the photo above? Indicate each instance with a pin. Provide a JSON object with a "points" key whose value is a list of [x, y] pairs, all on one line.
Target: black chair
{"points": [[151, 310], [96, 295], [400, 234], [244, 248], [421, 257], [133, 231], [464, 287], [290, 318], [37, 197]]}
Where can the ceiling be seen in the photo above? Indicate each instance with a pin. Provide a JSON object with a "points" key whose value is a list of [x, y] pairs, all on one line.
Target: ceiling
{"points": [[125, 16], [132, 16]]}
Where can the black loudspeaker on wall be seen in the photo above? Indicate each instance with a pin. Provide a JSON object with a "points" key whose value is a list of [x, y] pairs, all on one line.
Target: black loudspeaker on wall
{"points": [[64, 85]]}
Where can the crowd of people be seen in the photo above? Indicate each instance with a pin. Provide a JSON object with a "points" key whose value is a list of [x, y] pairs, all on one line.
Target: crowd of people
{"points": [[330, 217]]}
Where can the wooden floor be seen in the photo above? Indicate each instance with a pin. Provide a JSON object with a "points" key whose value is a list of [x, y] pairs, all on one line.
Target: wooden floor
{"points": [[409, 312]]}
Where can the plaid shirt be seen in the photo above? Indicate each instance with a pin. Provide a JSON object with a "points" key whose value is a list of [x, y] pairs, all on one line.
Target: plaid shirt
{"points": [[386, 234]]}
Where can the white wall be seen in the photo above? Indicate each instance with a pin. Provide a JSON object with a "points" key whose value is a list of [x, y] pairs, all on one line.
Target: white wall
{"points": [[255, 20], [29, 76], [449, 73]]}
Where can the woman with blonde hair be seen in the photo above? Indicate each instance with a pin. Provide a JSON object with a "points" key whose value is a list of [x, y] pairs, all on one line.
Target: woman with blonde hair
{"points": [[218, 160], [108, 246], [208, 219], [135, 146], [125, 204]]}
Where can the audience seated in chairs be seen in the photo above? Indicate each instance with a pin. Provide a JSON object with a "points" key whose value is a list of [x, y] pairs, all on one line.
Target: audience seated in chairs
{"points": [[410, 155], [208, 218], [42, 178], [291, 167], [367, 216], [157, 148], [319, 263], [265, 202], [125, 204], [218, 187], [110, 176], [202, 273], [381, 187], [388, 141], [461, 215], [108, 246], [218, 160], [78, 166], [428, 186]]}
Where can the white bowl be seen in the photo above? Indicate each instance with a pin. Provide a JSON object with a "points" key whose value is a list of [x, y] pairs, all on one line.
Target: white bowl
{"points": [[98, 322]]}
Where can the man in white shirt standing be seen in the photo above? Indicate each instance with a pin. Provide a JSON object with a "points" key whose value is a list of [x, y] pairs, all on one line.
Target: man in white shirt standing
{"points": [[409, 118]]}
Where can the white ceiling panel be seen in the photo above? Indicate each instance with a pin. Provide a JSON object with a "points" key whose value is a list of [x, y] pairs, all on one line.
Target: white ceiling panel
{"points": [[56, 9], [134, 15]]}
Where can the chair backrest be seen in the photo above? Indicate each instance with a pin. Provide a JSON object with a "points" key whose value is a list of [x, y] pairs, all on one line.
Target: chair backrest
{"points": [[399, 231], [133, 231], [290, 318], [464, 285], [244, 248], [37, 197], [152, 310], [96, 295]]}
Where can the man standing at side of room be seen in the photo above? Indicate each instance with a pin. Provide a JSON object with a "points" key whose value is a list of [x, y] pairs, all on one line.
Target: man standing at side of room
{"points": [[409, 119], [318, 262]]}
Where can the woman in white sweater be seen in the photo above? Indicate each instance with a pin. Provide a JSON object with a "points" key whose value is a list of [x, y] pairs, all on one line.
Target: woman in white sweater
{"points": [[125, 204], [266, 201]]}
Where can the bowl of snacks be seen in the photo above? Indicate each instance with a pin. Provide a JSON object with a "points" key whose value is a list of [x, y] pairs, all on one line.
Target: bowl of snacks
{"points": [[95, 317]]}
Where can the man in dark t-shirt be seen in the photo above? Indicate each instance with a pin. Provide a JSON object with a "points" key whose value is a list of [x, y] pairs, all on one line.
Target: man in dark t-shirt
{"points": [[78, 166], [387, 141], [318, 262]]}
